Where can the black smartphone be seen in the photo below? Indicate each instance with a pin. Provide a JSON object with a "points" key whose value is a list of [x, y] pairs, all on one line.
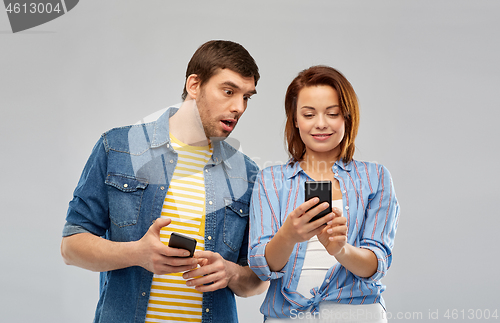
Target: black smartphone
{"points": [[181, 241], [323, 190]]}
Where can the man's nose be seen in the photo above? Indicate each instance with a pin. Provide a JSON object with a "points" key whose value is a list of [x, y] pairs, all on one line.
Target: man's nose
{"points": [[239, 105]]}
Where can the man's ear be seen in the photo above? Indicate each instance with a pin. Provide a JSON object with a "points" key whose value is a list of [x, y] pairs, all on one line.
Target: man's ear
{"points": [[193, 86]]}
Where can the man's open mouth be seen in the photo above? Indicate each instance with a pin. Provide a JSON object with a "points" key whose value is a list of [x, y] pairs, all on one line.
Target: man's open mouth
{"points": [[228, 124]]}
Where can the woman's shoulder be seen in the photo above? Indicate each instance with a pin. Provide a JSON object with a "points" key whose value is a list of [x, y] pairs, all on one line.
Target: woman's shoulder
{"points": [[370, 170], [282, 169], [368, 165]]}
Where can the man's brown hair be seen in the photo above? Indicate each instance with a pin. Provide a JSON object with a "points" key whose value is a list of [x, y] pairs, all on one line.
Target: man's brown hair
{"points": [[220, 54]]}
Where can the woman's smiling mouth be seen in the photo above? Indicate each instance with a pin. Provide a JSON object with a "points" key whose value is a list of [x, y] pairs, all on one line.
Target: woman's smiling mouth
{"points": [[322, 136]]}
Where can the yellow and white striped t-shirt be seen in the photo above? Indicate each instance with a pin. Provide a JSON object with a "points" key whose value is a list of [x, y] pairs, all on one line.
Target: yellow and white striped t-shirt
{"points": [[170, 299]]}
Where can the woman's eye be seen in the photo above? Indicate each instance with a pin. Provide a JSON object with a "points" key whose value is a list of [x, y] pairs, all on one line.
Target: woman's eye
{"points": [[308, 115]]}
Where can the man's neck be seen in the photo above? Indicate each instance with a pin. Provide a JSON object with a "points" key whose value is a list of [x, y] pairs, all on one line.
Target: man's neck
{"points": [[186, 126]]}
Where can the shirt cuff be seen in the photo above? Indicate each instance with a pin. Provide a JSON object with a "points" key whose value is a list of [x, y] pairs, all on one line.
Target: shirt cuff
{"points": [[258, 264], [381, 267], [71, 229]]}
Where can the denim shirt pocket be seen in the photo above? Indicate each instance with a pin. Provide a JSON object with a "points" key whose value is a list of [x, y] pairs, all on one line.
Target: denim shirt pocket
{"points": [[235, 222], [125, 197]]}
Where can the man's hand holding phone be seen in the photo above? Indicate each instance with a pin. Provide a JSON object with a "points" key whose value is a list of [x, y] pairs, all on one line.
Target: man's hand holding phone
{"points": [[155, 256]]}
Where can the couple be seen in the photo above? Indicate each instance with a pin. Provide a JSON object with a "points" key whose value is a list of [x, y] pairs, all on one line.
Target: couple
{"points": [[143, 182]]}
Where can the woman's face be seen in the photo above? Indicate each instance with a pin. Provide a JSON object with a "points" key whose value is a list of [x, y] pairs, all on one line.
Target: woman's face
{"points": [[320, 120]]}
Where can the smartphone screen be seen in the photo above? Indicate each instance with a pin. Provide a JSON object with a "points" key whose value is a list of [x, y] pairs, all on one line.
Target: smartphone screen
{"points": [[181, 241], [323, 190]]}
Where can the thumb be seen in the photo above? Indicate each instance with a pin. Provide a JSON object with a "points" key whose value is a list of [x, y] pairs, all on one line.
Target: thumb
{"points": [[160, 223]]}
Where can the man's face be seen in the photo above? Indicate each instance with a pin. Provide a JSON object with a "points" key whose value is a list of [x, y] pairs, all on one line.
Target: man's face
{"points": [[222, 101]]}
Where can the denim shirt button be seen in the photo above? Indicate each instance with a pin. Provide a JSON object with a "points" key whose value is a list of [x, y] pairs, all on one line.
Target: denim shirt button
{"points": [[347, 207], [207, 310], [206, 170], [171, 161], [241, 211], [125, 185], [143, 293], [210, 202], [209, 237], [162, 188]]}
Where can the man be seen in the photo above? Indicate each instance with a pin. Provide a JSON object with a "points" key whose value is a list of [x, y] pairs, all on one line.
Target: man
{"points": [[176, 174]]}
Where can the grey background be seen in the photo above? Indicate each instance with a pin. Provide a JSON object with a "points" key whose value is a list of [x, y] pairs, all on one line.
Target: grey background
{"points": [[426, 72]]}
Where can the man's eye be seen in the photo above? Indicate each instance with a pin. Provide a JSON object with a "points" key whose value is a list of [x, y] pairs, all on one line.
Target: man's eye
{"points": [[228, 92], [246, 98]]}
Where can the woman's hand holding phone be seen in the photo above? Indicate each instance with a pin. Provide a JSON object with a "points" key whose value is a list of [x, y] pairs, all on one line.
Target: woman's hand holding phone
{"points": [[298, 228], [334, 236]]}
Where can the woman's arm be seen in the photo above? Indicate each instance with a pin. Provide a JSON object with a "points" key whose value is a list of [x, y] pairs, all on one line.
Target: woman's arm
{"points": [[374, 255]]}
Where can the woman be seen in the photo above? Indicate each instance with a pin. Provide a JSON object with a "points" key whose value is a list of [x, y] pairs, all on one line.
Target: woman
{"points": [[327, 270]]}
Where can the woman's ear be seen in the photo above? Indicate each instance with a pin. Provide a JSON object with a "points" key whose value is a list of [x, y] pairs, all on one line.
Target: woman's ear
{"points": [[193, 86]]}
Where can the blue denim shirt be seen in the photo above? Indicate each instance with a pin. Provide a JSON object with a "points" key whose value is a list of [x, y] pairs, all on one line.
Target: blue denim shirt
{"points": [[121, 192]]}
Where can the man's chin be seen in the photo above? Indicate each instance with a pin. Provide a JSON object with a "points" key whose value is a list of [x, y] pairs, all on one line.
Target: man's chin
{"points": [[218, 138]]}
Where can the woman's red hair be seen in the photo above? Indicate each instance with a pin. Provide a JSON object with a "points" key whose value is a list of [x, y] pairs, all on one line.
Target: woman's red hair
{"points": [[322, 75]]}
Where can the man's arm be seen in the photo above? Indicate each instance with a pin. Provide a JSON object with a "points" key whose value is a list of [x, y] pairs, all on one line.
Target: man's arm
{"points": [[219, 273], [244, 281], [94, 253]]}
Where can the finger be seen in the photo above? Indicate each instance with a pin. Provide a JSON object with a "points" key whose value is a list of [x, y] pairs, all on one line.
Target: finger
{"points": [[160, 223], [337, 211], [301, 209], [195, 272], [180, 261], [338, 239], [203, 280], [175, 252], [321, 221], [211, 287], [205, 254], [339, 230], [167, 269]]}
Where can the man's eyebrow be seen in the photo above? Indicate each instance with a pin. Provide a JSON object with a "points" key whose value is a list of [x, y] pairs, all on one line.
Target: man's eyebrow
{"points": [[234, 86]]}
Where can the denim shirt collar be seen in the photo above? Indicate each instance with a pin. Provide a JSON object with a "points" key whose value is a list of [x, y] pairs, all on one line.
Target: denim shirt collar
{"points": [[293, 169], [161, 137]]}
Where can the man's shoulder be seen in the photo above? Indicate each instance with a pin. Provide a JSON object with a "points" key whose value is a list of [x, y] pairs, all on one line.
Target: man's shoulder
{"points": [[124, 137]]}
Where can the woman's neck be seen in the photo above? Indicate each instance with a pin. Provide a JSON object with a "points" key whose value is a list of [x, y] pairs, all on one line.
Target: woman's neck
{"points": [[318, 165]]}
